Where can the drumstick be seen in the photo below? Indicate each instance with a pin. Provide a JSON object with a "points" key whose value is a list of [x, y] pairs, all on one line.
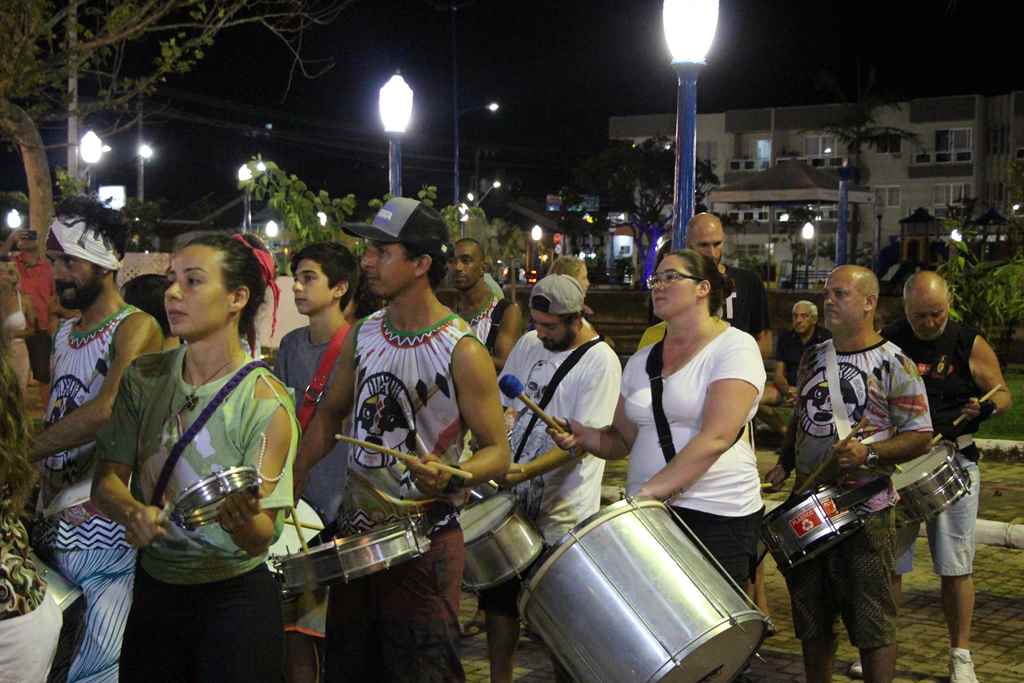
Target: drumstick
{"points": [[812, 479], [404, 457], [513, 388], [165, 514], [963, 416], [298, 528]]}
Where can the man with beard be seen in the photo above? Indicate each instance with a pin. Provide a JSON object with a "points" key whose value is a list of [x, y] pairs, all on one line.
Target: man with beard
{"points": [[496, 321], [90, 354], [556, 489], [958, 366], [881, 396], [414, 378]]}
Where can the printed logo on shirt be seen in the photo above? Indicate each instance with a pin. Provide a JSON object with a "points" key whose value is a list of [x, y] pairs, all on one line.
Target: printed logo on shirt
{"points": [[817, 415], [385, 417]]}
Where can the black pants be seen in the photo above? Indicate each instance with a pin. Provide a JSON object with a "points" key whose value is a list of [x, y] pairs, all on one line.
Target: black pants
{"points": [[731, 540], [223, 631]]}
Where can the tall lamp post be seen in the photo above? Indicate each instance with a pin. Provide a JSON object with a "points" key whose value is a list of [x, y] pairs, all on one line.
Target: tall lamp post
{"points": [[244, 176], [689, 29], [395, 103], [91, 149], [807, 233], [492, 107]]}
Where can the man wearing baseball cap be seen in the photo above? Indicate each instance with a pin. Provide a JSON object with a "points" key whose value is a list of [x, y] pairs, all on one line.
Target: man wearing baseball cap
{"points": [[572, 373], [414, 378]]}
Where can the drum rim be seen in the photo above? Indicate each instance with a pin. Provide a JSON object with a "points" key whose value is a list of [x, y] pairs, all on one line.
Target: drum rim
{"points": [[500, 495], [214, 476], [950, 452]]}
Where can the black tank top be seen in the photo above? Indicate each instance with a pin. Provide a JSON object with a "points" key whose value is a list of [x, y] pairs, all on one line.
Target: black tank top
{"points": [[944, 364]]}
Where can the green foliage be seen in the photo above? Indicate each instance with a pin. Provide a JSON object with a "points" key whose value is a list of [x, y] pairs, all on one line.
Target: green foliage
{"points": [[68, 185], [143, 219], [987, 295], [297, 205]]}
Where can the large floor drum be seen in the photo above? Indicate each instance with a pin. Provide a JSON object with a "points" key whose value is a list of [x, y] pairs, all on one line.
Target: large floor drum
{"points": [[627, 596]]}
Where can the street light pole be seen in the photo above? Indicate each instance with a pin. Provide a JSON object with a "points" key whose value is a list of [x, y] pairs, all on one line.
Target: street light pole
{"points": [[689, 29], [395, 104], [455, 108]]}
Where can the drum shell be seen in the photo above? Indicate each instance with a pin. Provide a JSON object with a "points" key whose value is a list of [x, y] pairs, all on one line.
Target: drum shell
{"points": [[352, 558], [929, 485], [197, 505], [787, 547], [63, 591], [628, 596], [498, 554]]}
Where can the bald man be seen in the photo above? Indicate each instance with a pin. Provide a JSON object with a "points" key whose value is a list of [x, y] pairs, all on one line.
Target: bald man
{"points": [[958, 367], [853, 579], [747, 307]]}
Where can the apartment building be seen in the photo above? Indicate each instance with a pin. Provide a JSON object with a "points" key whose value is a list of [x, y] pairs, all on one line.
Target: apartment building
{"points": [[961, 149]]}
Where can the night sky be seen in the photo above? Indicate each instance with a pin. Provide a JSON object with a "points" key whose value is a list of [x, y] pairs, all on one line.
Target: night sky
{"points": [[560, 69]]}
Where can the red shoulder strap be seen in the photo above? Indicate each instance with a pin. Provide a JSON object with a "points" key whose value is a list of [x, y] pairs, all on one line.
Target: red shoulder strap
{"points": [[315, 391]]}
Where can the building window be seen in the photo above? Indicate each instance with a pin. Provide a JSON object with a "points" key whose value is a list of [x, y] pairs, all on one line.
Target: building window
{"points": [[887, 196], [950, 194], [764, 152], [954, 144], [889, 144], [819, 145]]}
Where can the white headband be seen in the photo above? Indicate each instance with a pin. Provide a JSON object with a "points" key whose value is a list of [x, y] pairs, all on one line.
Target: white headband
{"points": [[78, 240]]}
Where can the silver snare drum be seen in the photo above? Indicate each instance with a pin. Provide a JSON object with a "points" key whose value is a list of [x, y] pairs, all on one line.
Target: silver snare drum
{"points": [[929, 484], [198, 504], [500, 542], [347, 559], [628, 596], [806, 525]]}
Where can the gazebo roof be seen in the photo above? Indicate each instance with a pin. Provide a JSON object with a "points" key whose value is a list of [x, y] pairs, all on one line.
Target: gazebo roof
{"points": [[920, 215], [785, 183]]}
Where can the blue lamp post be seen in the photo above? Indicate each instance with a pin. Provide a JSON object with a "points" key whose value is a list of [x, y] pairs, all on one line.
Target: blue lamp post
{"points": [[689, 29], [395, 103]]}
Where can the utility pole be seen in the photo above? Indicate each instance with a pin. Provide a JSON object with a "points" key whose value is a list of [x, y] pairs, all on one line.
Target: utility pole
{"points": [[140, 173], [73, 89]]}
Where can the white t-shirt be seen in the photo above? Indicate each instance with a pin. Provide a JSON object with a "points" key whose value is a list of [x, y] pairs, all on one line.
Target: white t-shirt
{"points": [[562, 498], [731, 487]]}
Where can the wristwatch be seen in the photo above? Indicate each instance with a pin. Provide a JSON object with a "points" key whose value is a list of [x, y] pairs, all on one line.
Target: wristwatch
{"points": [[872, 459]]}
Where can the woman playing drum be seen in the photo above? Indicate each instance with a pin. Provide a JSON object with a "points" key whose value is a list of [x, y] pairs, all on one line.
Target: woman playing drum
{"points": [[710, 377], [206, 607]]}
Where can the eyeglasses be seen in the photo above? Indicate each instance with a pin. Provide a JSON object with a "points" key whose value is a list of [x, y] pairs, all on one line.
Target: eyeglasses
{"points": [[668, 277]]}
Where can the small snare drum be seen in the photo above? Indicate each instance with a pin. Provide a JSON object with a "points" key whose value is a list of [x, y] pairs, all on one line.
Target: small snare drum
{"points": [[198, 504]]}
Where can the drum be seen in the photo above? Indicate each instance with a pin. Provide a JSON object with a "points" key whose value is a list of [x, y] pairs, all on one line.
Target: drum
{"points": [[806, 525], [288, 542], [63, 591], [351, 558], [929, 484], [628, 595], [198, 504], [500, 542]]}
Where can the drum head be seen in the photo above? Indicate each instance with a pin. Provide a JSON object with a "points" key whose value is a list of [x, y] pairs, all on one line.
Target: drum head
{"points": [[921, 467], [479, 518]]}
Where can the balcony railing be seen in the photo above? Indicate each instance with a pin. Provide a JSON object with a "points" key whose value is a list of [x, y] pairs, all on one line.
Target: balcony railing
{"points": [[749, 164], [931, 157]]}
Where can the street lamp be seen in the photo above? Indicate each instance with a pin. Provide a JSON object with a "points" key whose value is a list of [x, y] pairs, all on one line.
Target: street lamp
{"points": [[91, 149], [496, 185], [322, 217], [536, 233], [144, 153], [492, 107], [956, 236], [807, 233], [395, 104], [244, 176], [689, 29], [272, 229], [14, 219]]}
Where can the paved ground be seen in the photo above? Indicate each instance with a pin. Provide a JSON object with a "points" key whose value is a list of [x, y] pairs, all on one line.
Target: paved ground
{"points": [[998, 647]]}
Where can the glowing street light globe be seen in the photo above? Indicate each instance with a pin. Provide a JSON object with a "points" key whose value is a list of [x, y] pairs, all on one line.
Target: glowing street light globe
{"points": [[470, 196], [272, 229], [244, 173], [536, 233], [496, 184], [91, 148], [395, 104], [956, 236], [145, 151], [689, 29], [14, 219], [807, 232], [493, 107], [322, 217]]}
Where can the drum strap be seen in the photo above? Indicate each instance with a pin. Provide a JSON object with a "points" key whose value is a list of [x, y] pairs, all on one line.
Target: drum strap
{"points": [[314, 392], [549, 391], [179, 447], [654, 367], [835, 392]]}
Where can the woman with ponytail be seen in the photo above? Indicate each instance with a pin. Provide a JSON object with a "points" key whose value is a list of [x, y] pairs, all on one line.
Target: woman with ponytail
{"points": [[206, 606]]}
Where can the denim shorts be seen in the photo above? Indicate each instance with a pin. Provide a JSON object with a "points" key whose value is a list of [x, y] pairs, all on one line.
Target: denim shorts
{"points": [[950, 533]]}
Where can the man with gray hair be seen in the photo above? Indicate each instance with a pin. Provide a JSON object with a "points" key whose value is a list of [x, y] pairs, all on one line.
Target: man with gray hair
{"points": [[792, 343], [958, 366]]}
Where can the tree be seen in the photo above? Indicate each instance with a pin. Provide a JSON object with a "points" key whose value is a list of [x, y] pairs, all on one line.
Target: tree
{"points": [[48, 44], [639, 179]]}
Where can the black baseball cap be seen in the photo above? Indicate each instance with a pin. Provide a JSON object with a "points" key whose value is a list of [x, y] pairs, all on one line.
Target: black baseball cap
{"points": [[405, 221]]}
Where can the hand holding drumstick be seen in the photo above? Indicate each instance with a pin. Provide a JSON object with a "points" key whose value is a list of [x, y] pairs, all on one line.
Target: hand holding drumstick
{"points": [[972, 410], [842, 453]]}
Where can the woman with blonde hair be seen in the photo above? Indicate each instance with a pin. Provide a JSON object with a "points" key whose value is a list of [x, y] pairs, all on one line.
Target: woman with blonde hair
{"points": [[30, 620]]}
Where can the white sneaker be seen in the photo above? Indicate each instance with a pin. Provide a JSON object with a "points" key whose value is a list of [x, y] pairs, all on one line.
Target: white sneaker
{"points": [[961, 668], [856, 670]]}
